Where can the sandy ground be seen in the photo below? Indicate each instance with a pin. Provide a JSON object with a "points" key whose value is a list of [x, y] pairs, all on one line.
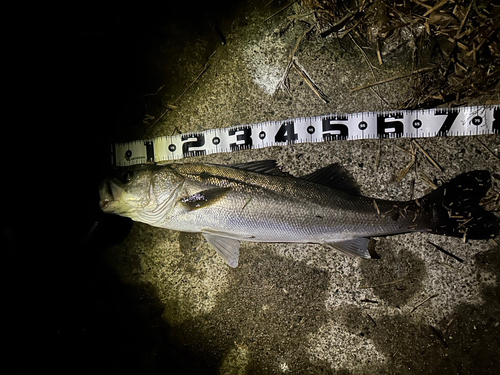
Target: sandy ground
{"points": [[295, 308]]}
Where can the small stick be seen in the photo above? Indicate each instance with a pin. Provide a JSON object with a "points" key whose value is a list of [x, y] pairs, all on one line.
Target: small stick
{"points": [[436, 7], [351, 15], [283, 83], [279, 11], [300, 40], [339, 24], [448, 325], [294, 17], [402, 149], [379, 154], [462, 24], [426, 154], [176, 129], [205, 68], [439, 335], [373, 320], [372, 67], [403, 172], [170, 106], [379, 54], [412, 187], [320, 94], [466, 222], [422, 4], [487, 148], [418, 71], [445, 252], [424, 301], [155, 93], [427, 180]]}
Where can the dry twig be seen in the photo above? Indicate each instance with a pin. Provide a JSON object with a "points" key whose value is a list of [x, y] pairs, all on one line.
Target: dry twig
{"points": [[279, 11], [173, 105], [424, 301], [426, 154], [445, 252], [461, 37], [319, 93], [418, 71]]}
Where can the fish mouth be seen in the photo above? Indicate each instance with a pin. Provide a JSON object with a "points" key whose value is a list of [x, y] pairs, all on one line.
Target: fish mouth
{"points": [[106, 193]]}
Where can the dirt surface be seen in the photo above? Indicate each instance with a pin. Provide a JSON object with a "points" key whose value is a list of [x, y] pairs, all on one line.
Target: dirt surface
{"points": [[163, 300]]}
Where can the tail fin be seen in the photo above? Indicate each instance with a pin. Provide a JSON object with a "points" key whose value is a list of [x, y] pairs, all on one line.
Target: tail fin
{"points": [[455, 209]]}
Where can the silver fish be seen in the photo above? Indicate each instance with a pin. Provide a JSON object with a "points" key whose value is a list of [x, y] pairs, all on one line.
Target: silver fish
{"points": [[258, 202]]}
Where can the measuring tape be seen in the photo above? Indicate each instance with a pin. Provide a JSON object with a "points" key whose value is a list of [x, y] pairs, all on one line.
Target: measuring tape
{"points": [[461, 121]]}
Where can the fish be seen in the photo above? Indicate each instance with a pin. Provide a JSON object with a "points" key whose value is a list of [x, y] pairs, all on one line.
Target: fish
{"points": [[258, 202]]}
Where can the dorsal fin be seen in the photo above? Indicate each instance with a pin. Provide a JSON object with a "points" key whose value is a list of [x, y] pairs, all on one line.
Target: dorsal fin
{"points": [[268, 167], [335, 177]]}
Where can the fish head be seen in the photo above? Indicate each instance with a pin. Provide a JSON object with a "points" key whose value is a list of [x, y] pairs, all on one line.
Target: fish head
{"points": [[144, 193]]}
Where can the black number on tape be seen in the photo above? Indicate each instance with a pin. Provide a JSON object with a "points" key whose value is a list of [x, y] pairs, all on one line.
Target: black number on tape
{"points": [[286, 133], [448, 121], [150, 151], [246, 137], [496, 120], [388, 124], [336, 129], [186, 146]]}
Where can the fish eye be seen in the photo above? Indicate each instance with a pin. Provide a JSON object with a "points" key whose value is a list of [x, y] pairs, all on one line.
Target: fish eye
{"points": [[126, 176]]}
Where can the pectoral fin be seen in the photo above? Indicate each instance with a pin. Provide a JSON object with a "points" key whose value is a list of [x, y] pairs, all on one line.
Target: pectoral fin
{"points": [[203, 198], [227, 248], [357, 247]]}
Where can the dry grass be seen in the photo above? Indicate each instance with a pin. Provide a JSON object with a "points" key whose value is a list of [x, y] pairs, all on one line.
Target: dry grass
{"points": [[459, 39]]}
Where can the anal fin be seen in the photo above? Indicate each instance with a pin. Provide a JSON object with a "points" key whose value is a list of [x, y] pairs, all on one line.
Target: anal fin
{"points": [[357, 247], [227, 248]]}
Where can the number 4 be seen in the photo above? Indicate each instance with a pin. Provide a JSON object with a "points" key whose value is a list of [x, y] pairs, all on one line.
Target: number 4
{"points": [[286, 133]]}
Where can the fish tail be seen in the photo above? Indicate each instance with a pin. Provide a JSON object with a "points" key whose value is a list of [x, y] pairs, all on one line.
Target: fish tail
{"points": [[454, 208]]}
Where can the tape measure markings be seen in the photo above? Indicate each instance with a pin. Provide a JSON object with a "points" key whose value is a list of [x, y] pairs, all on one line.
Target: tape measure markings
{"points": [[461, 121]]}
